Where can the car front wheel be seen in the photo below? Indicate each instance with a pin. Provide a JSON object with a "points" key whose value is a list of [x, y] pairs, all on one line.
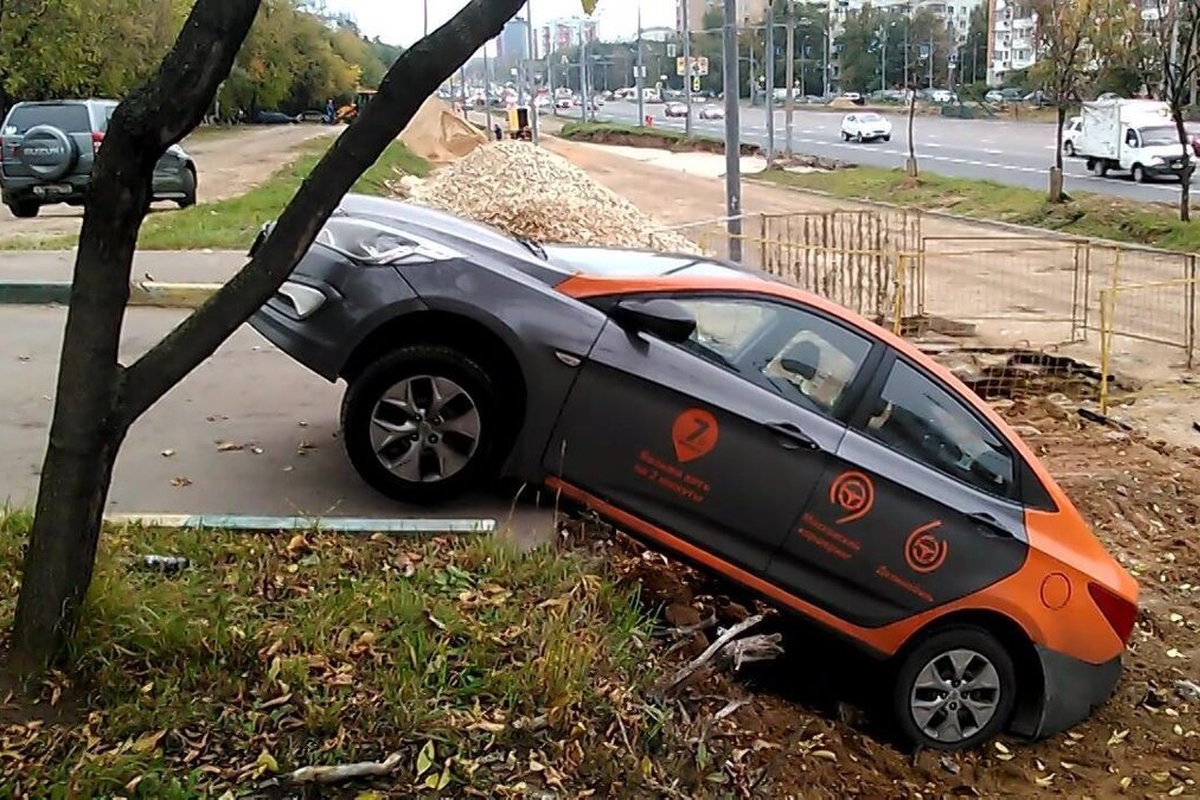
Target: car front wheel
{"points": [[954, 690], [1068, 149], [420, 424]]}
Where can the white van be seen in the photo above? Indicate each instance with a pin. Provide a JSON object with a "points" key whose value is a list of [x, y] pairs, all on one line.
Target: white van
{"points": [[1134, 136]]}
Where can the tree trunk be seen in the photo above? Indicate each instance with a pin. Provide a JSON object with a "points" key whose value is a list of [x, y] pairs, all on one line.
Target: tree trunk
{"points": [[89, 424], [1056, 172], [98, 399], [1185, 174]]}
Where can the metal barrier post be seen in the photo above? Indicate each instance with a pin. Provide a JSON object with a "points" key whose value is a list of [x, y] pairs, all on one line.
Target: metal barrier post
{"points": [[898, 310], [1106, 314], [1189, 299]]}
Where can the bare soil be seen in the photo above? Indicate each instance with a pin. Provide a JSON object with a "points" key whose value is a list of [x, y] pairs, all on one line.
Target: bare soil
{"points": [[228, 164]]}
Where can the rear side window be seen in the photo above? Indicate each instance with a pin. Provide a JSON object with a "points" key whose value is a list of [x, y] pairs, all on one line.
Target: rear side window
{"points": [[916, 417], [68, 118]]}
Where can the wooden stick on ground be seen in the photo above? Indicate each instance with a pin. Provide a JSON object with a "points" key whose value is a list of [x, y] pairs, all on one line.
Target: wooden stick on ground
{"points": [[344, 772], [714, 648]]}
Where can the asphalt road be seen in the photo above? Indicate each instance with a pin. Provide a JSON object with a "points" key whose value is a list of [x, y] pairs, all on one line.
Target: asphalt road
{"points": [[284, 419], [1015, 153]]}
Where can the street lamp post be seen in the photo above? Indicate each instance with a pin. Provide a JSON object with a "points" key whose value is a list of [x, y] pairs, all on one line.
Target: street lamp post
{"points": [[733, 145], [530, 74], [790, 76], [770, 83]]}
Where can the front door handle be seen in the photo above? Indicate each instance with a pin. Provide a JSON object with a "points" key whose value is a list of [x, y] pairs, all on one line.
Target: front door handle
{"points": [[990, 524], [793, 437]]}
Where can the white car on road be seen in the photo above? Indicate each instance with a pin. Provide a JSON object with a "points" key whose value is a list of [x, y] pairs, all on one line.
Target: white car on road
{"points": [[675, 109], [866, 126], [712, 112]]}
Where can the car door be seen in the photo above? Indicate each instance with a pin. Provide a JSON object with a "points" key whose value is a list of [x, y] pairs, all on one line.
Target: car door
{"points": [[712, 439], [919, 507]]}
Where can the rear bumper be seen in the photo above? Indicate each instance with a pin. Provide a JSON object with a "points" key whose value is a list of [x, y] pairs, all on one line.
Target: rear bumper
{"points": [[1071, 691]]}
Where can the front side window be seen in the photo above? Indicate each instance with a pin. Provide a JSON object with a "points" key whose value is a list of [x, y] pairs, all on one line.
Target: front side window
{"points": [[915, 416], [795, 353]]}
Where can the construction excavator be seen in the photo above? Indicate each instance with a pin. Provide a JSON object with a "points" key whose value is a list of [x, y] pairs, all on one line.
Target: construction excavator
{"points": [[349, 112]]}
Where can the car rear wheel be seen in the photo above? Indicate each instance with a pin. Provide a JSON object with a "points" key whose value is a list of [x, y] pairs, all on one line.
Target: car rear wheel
{"points": [[25, 209], [1068, 149], [420, 424], [188, 181], [954, 689]]}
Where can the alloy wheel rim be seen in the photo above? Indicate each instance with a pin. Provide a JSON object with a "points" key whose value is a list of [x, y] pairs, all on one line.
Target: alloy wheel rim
{"points": [[955, 695], [425, 428]]}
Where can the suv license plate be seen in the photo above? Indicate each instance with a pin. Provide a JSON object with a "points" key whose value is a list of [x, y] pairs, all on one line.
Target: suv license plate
{"points": [[52, 189]]}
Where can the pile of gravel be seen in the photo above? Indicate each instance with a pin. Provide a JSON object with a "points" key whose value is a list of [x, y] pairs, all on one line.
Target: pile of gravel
{"points": [[529, 191]]}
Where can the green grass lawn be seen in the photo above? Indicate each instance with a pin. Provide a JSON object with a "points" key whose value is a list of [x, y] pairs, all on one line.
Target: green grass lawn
{"points": [[233, 222], [1085, 214], [482, 667]]}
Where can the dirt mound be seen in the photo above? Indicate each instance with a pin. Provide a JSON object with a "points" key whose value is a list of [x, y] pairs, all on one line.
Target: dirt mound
{"points": [[437, 134], [529, 191]]}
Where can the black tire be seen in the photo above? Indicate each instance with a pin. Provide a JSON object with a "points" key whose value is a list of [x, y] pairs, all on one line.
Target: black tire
{"points": [[189, 188], [887, 138], [1138, 173], [1068, 150], [845, 136], [24, 209], [363, 395], [925, 652], [1100, 168]]}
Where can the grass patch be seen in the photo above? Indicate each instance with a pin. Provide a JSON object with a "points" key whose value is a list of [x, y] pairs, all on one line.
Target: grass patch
{"points": [[233, 222], [274, 652], [1085, 214], [640, 136]]}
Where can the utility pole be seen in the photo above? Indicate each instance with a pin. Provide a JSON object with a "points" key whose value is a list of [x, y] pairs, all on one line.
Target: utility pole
{"points": [[640, 77], [585, 87], [425, 16], [733, 144], [907, 47], [790, 74], [770, 83], [487, 88], [462, 79], [530, 74], [931, 58], [883, 58], [750, 83], [828, 54], [687, 68]]}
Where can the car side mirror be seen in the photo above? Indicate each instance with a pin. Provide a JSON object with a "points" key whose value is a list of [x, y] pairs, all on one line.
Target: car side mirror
{"points": [[664, 318]]}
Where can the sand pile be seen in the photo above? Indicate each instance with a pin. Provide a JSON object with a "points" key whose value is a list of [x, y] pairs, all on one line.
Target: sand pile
{"points": [[437, 134], [528, 191]]}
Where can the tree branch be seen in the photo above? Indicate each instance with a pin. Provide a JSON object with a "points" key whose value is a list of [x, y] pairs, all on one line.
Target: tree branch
{"points": [[412, 79]]}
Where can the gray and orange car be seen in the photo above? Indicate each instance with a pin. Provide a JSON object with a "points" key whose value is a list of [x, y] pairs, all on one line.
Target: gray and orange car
{"points": [[752, 428]]}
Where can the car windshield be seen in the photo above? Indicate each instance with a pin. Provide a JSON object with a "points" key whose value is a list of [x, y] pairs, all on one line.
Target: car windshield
{"points": [[72, 118], [869, 118], [606, 263], [1158, 136]]}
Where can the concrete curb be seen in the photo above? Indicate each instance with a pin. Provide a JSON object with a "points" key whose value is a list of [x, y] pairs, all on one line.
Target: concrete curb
{"points": [[146, 293], [327, 524]]}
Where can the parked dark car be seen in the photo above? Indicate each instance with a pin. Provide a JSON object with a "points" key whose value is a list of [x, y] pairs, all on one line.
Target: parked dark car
{"points": [[274, 118], [47, 149], [753, 428]]}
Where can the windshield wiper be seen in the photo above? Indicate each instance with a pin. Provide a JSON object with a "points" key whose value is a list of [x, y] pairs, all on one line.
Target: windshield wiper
{"points": [[532, 247]]}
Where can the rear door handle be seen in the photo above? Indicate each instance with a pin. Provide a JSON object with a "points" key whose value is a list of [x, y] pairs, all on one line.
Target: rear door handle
{"points": [[991, 526], [793, 437]]}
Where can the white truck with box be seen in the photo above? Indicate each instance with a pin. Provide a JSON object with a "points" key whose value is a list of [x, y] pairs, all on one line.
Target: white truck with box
{"points": [[1133, 136]]}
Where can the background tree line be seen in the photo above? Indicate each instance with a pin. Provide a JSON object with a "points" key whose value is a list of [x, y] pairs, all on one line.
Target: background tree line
{"points": [[293, 59]]}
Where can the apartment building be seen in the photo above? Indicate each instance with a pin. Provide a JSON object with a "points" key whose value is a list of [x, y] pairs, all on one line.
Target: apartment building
{"points": [[956, 13], [1012, 38], [749, 11]]}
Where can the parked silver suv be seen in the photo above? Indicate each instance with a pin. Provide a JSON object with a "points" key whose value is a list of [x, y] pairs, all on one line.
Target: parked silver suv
{"points": [[47, 149]]}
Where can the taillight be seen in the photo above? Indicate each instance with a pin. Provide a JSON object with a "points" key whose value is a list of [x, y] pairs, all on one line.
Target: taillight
{"points": [[97, 138], [1120, 613]]}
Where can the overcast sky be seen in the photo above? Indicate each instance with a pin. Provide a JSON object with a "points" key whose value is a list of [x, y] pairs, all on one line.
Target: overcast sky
{"points": [[400, 21]]}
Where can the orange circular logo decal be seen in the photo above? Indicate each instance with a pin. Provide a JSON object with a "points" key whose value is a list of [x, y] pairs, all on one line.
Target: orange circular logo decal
{"points": [[924, 551], [694, 434], [854, 493]]}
